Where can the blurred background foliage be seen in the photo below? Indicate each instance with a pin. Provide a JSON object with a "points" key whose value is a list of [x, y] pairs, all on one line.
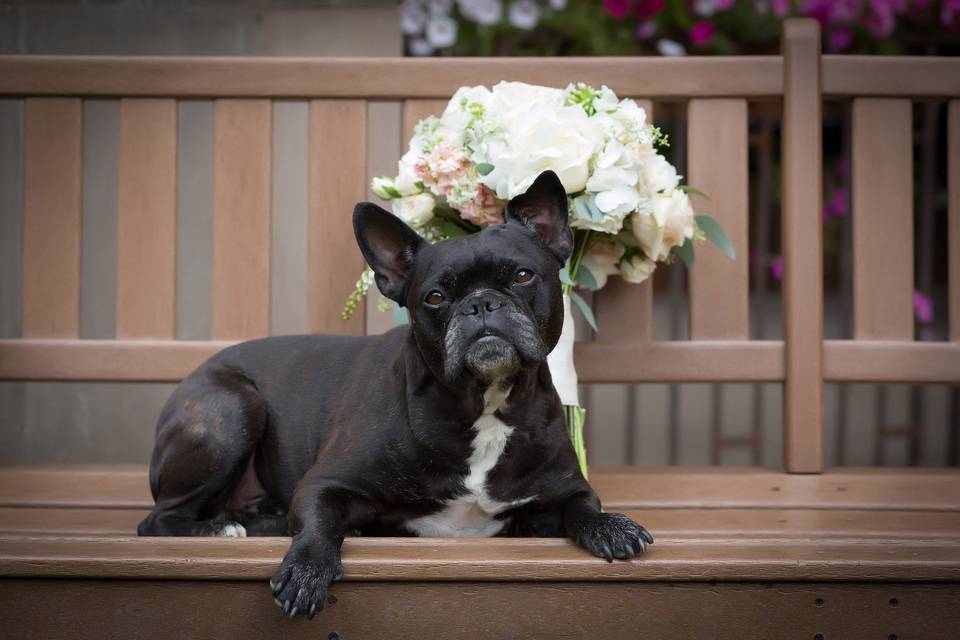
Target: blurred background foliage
{"points": [[673, 27]]}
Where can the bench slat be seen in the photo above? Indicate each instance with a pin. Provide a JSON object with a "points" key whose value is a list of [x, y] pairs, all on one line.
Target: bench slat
{"points": [[337, 181], [664, 523], [717, 159], [802, 250], [241, 219], [882, 219], [146, 219], [666, 487], [493, 559], [53, 134], [953, 213]]}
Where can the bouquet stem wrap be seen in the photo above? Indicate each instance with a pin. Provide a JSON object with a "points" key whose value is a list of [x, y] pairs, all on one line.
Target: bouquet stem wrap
{"points": [[564, 375]]}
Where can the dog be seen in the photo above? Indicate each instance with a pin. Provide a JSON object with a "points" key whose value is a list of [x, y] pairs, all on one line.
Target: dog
{"points": [[447, 426]]}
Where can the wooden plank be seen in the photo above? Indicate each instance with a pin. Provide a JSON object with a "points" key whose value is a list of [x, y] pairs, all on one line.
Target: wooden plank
{"points": [[953, 215], [412, 610], [802, 233], [146, 219], [717, 164], [891, 76], [416, 110], [915, 490], [891, 361], [664, 523], [241, 219], [624, 310], [882, 219], [693, 361], [337, 181], [106, 360], [486, 559], [51, 217], [737, 76]]}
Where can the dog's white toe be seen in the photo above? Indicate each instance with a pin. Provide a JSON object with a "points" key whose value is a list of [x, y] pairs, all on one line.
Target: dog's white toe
{"points": [[233, 530]]}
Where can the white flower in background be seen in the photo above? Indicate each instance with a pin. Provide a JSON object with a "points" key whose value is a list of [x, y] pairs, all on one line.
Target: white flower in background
{"points": [[416, 210], [412, 17], [420, 47], [483, 12], [440, 7], [524, 14], [670, 223], [667, 47], [637, 269], [601, 260], [441, 31], [558, 5]]}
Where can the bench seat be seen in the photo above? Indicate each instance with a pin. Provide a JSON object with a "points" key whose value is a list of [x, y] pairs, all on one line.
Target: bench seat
{"points": [[740, 553]]}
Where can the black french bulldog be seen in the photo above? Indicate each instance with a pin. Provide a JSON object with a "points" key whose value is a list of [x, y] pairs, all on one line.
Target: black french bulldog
{"points": [[448, 426]]}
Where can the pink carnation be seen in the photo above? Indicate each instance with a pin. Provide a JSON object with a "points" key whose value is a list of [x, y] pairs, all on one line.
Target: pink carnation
{"points": [[440, 170], [484, 209], [617, 8]]}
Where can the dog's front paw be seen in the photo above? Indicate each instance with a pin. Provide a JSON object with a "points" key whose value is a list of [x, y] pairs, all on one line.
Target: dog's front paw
{"points": [[300, 585], [612, 535]]}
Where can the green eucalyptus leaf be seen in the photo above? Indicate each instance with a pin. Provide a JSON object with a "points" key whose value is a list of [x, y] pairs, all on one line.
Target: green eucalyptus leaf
{"points": [[400, 316], [595, 214], [715, 234], [584, 309], [484, 168], [685, 251], [692, 190], [565, 276], [586, 279]]}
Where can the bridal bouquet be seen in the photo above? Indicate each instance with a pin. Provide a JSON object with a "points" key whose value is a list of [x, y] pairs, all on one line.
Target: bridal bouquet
{"points": [[628, 210]]}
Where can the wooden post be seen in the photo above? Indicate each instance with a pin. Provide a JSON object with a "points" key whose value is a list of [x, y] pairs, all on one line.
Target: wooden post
{"points": [[802, 248]]}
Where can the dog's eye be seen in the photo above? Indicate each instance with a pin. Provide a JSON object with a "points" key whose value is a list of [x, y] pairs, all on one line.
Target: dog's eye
{"points": [[434, 298], [523, 276]]}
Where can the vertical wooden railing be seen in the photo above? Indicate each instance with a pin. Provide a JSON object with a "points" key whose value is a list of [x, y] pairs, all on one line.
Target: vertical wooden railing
{"points": [[802, 249]]}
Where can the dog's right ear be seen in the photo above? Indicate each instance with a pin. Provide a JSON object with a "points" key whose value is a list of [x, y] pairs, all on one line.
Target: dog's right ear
{"points": [[388, 245]]}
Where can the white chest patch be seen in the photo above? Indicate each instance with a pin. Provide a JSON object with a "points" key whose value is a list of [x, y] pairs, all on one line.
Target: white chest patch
{"points": [[472, 514]]}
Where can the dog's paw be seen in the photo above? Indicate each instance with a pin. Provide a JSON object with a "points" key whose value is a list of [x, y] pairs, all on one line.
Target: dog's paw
{"points": [[300, 585], [613, 535]]}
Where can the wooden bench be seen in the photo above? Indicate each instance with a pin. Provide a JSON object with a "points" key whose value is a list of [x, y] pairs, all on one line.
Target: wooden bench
{"points": [[741, 553]]}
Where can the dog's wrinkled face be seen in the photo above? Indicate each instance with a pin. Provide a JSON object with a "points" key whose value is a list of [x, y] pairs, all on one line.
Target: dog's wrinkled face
{"points": [[481, 306]]}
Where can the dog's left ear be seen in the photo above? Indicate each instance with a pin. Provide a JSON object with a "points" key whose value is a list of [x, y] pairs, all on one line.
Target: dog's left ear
{"points": [[544, 207], [388, 245]]}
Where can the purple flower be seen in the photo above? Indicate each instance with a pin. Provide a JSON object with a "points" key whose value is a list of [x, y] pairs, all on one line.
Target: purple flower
{"points": [[818, 9], [922, 307], [950, 13], [701, 32], [780, 8], [838, 203], [880, 19], [776, 268], [646, 30], [617, 8]]}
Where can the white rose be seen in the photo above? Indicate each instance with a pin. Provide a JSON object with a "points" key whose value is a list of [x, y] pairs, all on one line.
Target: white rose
{"points": [[601, 260], [581, 216], [667, 226], [538, 133], [407, 178], [657, 173], [416, 210], [636, 269]]}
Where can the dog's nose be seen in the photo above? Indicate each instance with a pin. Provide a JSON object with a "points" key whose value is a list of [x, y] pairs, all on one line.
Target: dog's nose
{"points": [[485, 303]]}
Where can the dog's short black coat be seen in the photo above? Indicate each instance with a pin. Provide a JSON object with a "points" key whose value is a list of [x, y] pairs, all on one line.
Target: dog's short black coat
{"points": [[323, 436]]}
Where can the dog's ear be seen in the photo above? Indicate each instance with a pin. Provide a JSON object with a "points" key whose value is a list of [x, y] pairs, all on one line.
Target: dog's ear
{"points": [[544, 207], [388, 245]]}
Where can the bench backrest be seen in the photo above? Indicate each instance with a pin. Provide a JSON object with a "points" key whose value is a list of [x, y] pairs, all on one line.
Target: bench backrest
{"points": [[245, 95]]}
